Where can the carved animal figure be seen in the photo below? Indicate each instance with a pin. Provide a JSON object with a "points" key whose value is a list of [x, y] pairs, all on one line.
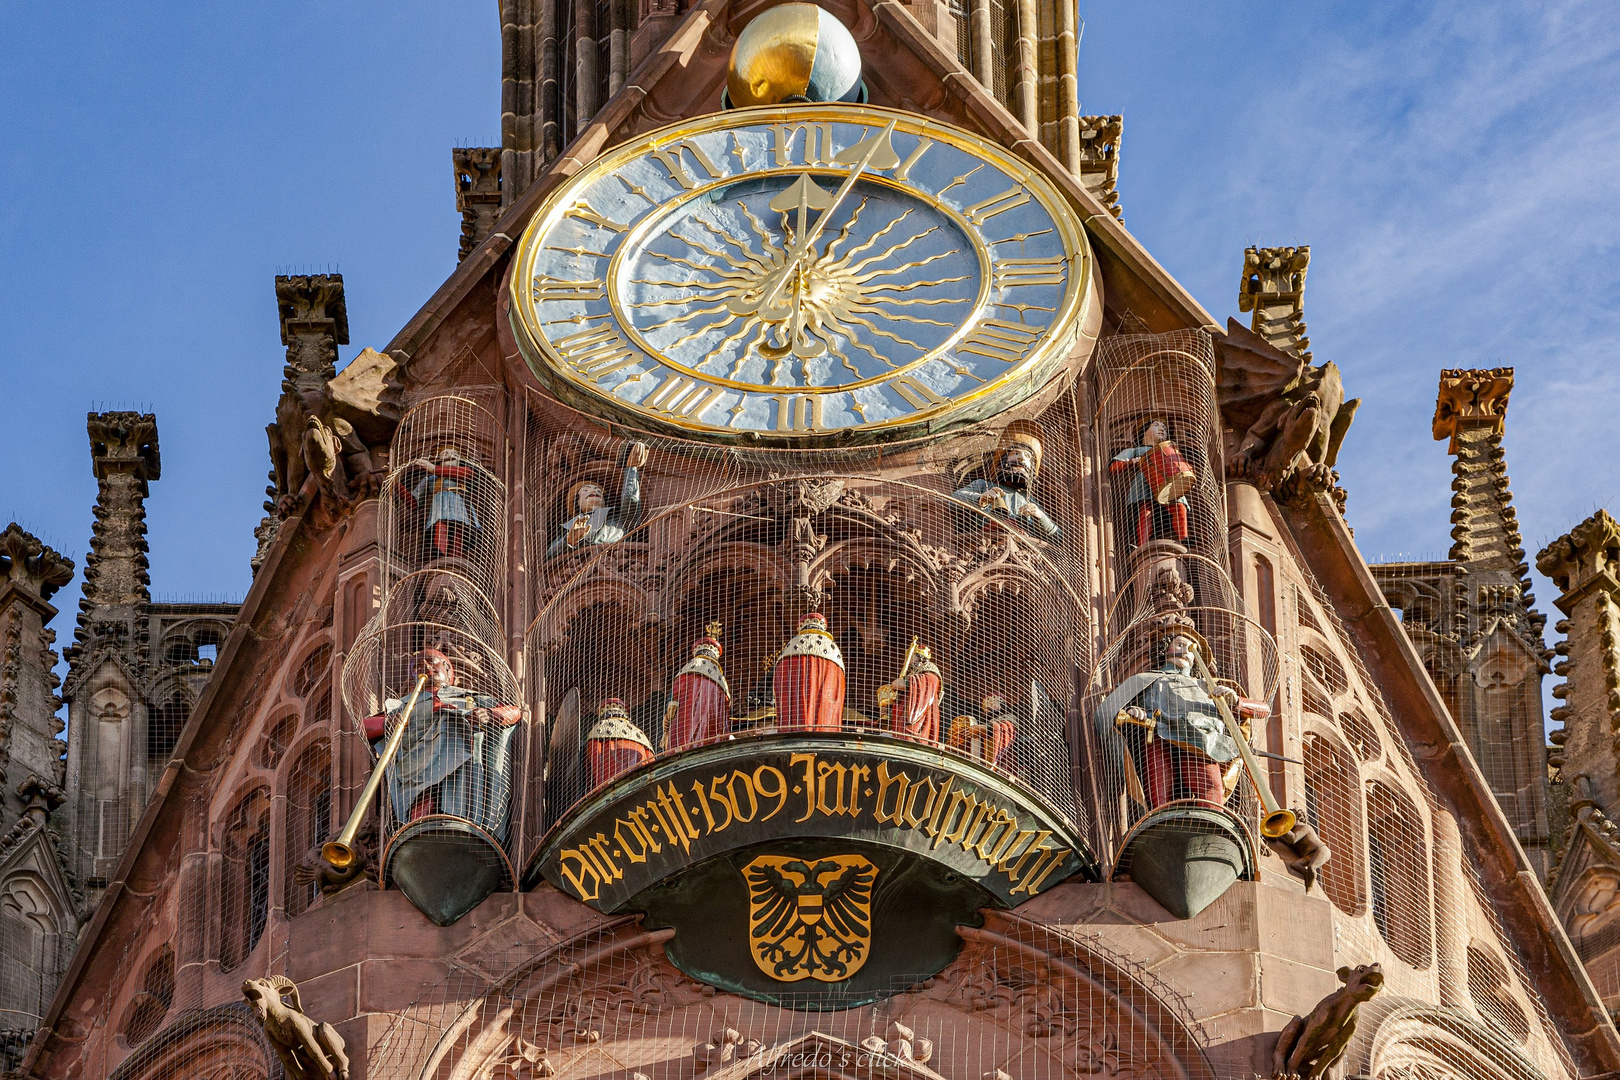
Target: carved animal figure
{"points": [[308, 1051], [1302, 851], [1289, 417], [1311, 1045]]}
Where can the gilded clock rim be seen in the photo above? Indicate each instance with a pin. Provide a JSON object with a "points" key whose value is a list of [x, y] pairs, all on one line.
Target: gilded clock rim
{"points": [[1050, 352]]}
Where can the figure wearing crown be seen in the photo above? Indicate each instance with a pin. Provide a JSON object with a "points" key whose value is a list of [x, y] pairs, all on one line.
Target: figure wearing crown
{"points": [[615, 744], [913, 699], [989, 740], [595, 520], [699, 698], [808, 680], [1014, 466]]}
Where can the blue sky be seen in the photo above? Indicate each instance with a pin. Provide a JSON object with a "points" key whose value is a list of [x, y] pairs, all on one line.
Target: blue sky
{"points": [[1454, 166]]}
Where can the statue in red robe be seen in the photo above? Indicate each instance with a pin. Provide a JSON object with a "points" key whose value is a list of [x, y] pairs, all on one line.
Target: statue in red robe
{"points": [[700, 697], [913, 698], [615, 744], [991, 740], [808, 680]]}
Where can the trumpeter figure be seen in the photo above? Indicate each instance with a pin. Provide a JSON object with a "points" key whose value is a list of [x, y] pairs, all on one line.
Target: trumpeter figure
{"points": [[1159, 481], [595, 520], [1179, 744], [699, 698], [455, 756], [1009, 496], [808, 679], [615, 744], [912, 699]]}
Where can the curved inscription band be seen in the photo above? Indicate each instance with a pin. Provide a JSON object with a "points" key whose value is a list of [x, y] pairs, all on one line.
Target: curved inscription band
{"points": [[920, 802]]}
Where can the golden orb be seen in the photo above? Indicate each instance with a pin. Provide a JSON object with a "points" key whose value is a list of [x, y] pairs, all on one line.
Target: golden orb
{"points": [[793, 52]]}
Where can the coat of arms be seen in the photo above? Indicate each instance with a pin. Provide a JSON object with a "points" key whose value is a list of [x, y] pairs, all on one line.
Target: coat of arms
{"points": [[810, 918]]}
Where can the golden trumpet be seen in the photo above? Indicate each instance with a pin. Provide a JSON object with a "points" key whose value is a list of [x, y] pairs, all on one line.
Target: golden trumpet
{"points": [[340, 854], [1277, 821]]}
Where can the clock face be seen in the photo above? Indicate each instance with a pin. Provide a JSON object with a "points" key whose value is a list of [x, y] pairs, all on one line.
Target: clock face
{"points": [[800, 272]]}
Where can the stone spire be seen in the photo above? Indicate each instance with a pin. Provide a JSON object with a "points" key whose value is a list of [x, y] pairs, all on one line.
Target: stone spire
{"points": [[314, 322], [478, 193], [1273, 287], [1471, 411], [1584, 564], [30, 573], [117, 579]]}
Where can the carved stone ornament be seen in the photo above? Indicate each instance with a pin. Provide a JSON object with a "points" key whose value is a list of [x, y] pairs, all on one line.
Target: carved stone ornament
{"points": [[308, 1051], [1581, 554], [1286, 418], [1470, 397], [29, 563], [1311, 1045]]}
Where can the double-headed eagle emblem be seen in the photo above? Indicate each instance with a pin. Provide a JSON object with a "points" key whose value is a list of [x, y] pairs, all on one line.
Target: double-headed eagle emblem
{"points": [[810, 918]]}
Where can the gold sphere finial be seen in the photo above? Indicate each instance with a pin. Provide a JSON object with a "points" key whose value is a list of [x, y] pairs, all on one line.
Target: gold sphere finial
{"points": [[793, 52]]}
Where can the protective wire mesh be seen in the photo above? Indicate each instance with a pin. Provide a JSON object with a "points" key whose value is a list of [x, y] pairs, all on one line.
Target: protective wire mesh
{"points": [[427, 683], [1398, 865], [971, 550], [889, 544], [1023, 1000]]}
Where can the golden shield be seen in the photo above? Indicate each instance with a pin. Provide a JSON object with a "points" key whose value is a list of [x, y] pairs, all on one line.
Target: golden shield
{"points": [[810, 918]]}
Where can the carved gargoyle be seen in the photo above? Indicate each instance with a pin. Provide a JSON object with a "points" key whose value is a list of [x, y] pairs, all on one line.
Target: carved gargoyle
{"points": [[308, 1051], [327, 422], [1309, 1046], [1302, 851], [1286, 418]]}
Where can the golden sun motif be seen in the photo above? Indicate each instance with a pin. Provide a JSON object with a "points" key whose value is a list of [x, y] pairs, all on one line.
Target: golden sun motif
{"points": [[761, 309]]}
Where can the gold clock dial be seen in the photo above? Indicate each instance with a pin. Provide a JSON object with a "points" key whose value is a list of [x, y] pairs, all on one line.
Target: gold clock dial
{"points": [[799, 272]]}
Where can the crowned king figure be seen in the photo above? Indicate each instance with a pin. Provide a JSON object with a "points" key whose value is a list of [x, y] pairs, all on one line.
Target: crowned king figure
{"points": [[1173, 728], [1010, 494], [808, 680], [700, 697], [913, 698], [614, 744]]}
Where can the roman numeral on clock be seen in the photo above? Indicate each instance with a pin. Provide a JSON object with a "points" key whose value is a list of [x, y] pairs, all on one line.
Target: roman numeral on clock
{"points": [[672, 158], [597, 352], [981, 212], [682, 398], [917, 394], [818, 143], [999, 340], [583, 211], [1030, 271], [798, 412], [550, 288]]}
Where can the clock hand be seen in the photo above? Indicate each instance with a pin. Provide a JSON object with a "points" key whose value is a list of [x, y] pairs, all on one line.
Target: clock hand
{"points": [[801, 196], [876, 151]]}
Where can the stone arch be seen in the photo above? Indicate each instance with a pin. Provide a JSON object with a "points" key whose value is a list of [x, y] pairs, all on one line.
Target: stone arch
{"points": [[1402, 1039], [36, 942], [224, 1041], [1022, 998], [307, 821], [244, 886], [1398, 865]]}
